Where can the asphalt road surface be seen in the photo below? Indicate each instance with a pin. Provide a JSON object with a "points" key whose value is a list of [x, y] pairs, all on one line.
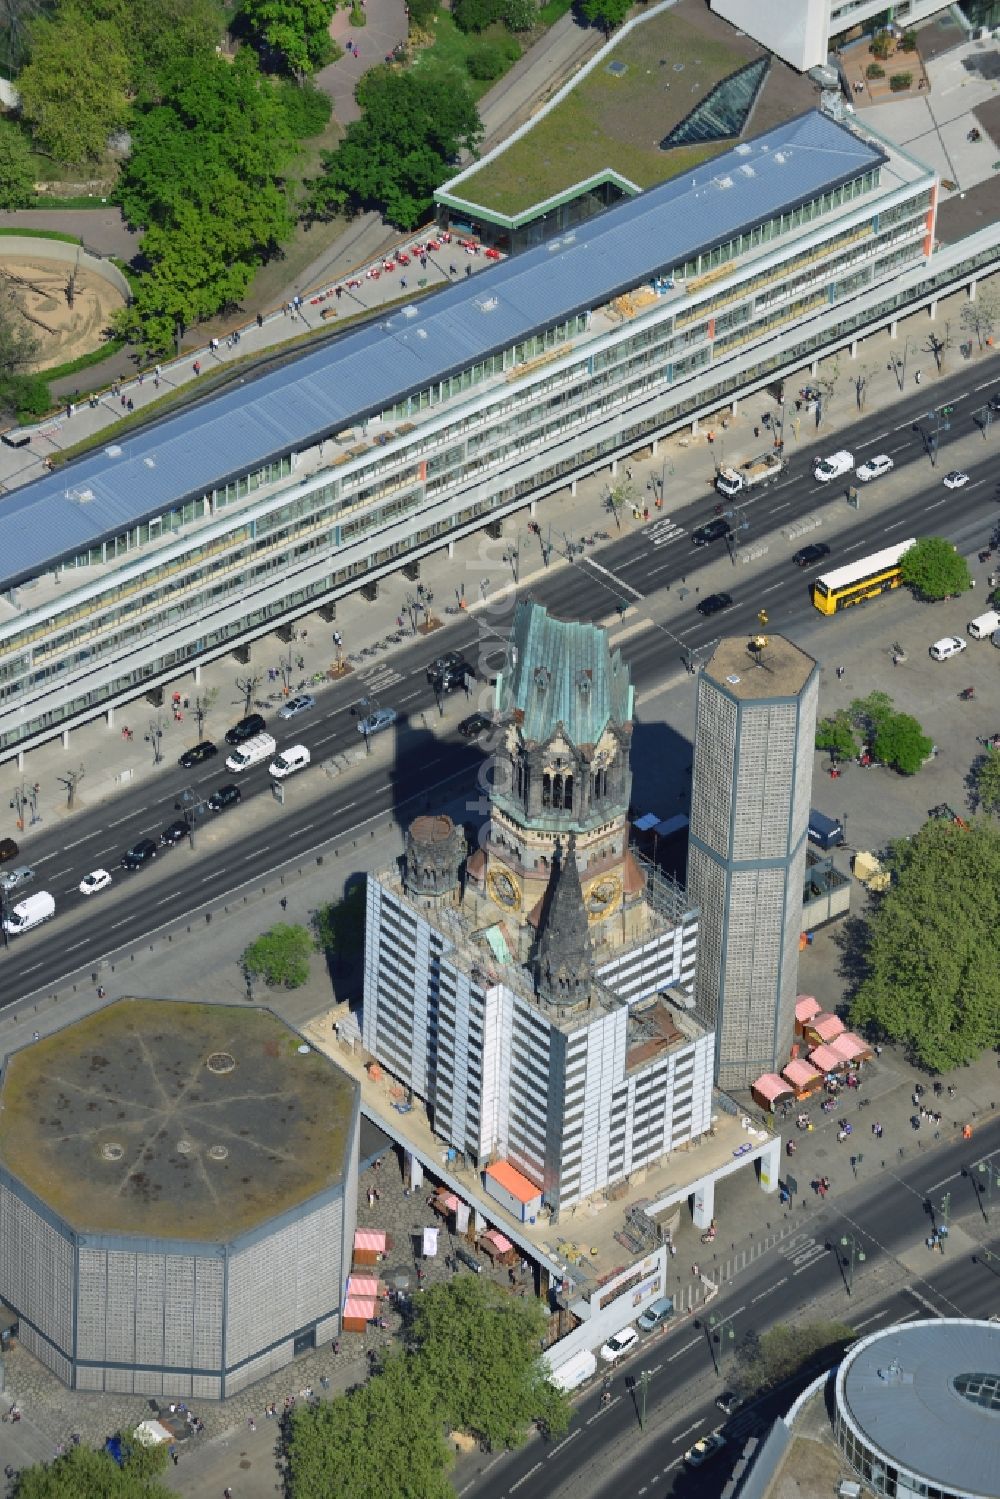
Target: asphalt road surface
{"points": [[642, 570], [606, 1455]]}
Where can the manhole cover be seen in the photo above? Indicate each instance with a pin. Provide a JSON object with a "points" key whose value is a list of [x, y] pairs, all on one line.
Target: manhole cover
{"points": [[218, 1152], [616, 69], [221, 1062], [184, 1147], [112, 1151]]}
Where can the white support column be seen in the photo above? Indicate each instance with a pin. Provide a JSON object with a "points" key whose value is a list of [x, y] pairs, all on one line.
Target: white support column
{"points": [[614, 467], [973, 288], [734, 408], [656, 446], [197, 675], [451, 550], [20, 759], [894, 328], [932, 310], [572, 488], [854, 348], [533, 509], [770, 1166], [109, 717], [413, 1172], [704, 1204], [65, 739], [695, 429], [814, 368]]}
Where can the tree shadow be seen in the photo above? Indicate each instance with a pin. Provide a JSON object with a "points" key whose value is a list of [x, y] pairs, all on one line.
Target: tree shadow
{"points": [[852, 940]]}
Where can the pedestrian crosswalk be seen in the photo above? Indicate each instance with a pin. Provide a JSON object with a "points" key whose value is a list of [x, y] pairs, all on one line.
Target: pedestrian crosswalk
{"points": [[378, 677], [664, 531]]}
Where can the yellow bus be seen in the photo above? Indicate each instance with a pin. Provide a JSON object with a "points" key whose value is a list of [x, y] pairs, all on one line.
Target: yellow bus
{"points": [[860, 581]]}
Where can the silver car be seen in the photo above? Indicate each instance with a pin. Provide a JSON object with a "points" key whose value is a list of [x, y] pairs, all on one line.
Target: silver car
{"points": [[297, 705], [377, 721], [15, 878]]}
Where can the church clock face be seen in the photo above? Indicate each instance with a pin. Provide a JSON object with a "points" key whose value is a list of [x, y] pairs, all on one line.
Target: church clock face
{"points": [[604, 896], [504, 889]]}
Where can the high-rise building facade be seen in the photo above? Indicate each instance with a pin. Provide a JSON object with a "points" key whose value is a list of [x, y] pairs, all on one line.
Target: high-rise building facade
{"points": [[754, 744], [536, 996]]}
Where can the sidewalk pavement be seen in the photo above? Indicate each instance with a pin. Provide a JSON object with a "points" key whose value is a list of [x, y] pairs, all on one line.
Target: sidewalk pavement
{"points": [[386, 27]]}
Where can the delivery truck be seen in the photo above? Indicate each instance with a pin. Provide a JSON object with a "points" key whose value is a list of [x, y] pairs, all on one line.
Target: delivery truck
{"points": [[762, 470]]}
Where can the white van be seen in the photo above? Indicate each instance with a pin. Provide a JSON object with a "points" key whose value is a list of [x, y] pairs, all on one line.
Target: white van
{"points": [[296, 757], [572, 1372], [31, 911], [984, 624], [251, 752]]}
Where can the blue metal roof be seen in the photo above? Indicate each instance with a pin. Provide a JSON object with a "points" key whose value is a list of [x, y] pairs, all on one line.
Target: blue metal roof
{"points": [[563, 672], [368, 369]]}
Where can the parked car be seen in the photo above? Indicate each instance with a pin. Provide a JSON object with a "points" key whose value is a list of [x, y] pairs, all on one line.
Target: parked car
{"points": [[619, 1344], [874, 468], [97, 879], [833, 467], [704, 1449], [245, 729], [296, 705], [656, 1314], [226, 796], [381, 719], [449, 671], [474, 725], [810, 555], [175, 833], [139, 855], [713, 530], [8, 850], [714, 603], [956, 479], [197, 754], [949, 645], [729, 1402], [16, 877]]}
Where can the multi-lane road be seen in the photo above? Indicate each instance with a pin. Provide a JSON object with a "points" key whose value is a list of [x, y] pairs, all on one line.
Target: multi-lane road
{"points": [[606, 1455], [642, 569]]}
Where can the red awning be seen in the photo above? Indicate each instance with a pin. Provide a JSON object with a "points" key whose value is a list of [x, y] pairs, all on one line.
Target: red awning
{"points": [[826, 1059], [370, 1238], [806, 1007], [826, 1027], [850, 1047], [362, 1285], [799, 1073], [498, 1240], [770, 1087], [360, 1307]]}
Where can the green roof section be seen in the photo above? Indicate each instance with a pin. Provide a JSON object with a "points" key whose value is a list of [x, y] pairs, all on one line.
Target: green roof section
{"points": [[172, 1119], [608, 124], [563, 672]]}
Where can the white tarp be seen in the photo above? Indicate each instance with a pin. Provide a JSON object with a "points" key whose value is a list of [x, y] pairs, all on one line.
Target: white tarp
{"points": [[430, 1243]]}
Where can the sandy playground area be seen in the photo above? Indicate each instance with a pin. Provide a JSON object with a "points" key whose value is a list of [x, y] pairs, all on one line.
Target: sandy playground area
{"points": [[68, 308]]}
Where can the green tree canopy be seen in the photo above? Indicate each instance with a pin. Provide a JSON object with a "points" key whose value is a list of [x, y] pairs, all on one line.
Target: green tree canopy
{"points": [[413, 126], [280, 956], [765, 1359], [986, 779], [476, 15], [340, 925], [74, 89], [18, 350], [83, 1473], [934, 569], [605, 13], [481, 1349], [17, 174], [297, 30], [383, 1438], [933, 980], [158, 33], [838, 735], [422, 13], [902, 743]]}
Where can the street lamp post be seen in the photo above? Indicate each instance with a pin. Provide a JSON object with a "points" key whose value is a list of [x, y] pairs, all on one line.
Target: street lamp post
{"points": [[720, 1332], [511, 555], [987, 1172], [644, 1379], [849, 1241], [154, 738]]}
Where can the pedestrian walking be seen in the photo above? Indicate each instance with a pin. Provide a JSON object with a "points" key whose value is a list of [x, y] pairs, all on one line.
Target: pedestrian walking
{"points": [[197, 366], [756, 431], [918, 377], [696, 1272], [157, 372], [840, 673]]}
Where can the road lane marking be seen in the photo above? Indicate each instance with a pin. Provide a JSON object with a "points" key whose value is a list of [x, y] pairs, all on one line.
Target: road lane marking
{"points": [[116, 924], [619, 582], [682, 1436], [873, 1318], [75, 945], [172, 896], [769, 1292], [565, 1441], [327, 737], [119, 822], [32, 968], [871, 441], [530, 1474], [685, 1349], [68, 846]]}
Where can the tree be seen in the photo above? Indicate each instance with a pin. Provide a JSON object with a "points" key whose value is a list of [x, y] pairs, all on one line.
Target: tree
{"points": [[480, 1347], [986, 781], [17, 175], [413, 126], [281, 956], [607, 14], [901, 743], [340, 926], [83, 1472], [826, 385], [383, 1438], [519, 15], [939, 346], [934, 569], [491, 57], [861, 378], [871, 712], [299, 30], [476, 15], [765, 1360], [837, 735], [156, 34], [932, 980], [980, 316], [881, 45], [422, 13], [74, 89]]}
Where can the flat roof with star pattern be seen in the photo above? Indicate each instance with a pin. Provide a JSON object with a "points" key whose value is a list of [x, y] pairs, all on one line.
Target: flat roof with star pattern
{"points": [[174, 1119]]}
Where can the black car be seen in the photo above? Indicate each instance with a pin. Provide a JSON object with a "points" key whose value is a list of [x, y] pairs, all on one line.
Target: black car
{"points": [[197, 754], [139, 855], [226, 796], [449, 671], [174, 834], [729, 1402], [713, 530], [814, 552], [714, 603], [994, 404], [474, 725], [245, 729]]}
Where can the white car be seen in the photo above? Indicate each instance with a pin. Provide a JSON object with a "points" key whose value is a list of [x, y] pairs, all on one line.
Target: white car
{"points": [[956, 479], [705, 1448], [875, 467], [949, 646], [98, 879], [616, 1347], [833, 467]]}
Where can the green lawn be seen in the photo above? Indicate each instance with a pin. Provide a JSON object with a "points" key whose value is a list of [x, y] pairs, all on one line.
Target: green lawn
{"points": [[616, 122], [451, 49]]}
